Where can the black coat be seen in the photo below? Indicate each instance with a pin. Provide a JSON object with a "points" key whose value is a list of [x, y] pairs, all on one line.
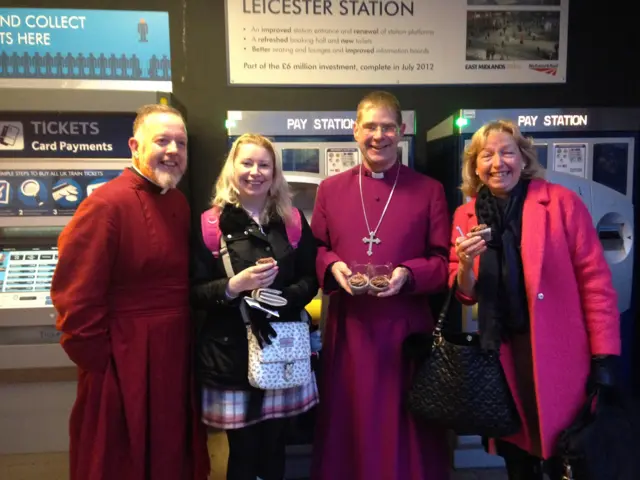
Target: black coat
{"points": [[221, 341]]}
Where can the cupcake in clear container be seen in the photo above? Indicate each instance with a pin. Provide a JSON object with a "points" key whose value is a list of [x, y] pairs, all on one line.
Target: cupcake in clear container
{"points": [[380, 277], [359, 278]]}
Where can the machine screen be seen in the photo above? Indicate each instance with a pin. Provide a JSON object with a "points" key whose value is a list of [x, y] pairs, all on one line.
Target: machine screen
{"points": [[301, 160], [610, 162], [25, 276], [541, 151]]}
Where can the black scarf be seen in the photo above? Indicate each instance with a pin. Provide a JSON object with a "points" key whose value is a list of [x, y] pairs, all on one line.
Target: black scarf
{"points": [[502, 299]]}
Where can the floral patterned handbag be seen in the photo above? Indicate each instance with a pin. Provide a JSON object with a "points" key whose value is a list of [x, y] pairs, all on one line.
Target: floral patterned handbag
{"points": [[286, 363]]}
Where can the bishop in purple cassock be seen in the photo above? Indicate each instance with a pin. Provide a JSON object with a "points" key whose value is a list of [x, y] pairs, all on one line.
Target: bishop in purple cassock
{"points": [[380, 212]]}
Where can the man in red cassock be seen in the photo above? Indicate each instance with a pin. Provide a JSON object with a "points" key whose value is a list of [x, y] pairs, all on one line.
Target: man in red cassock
{"points": [[379, 212], [121, 290]]}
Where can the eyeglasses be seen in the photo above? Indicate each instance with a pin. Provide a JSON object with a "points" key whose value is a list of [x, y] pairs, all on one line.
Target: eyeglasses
{"points": [[385, 129]]}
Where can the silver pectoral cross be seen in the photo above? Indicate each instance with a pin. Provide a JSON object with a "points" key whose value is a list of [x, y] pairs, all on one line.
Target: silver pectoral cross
{"points": [[371, 240]]}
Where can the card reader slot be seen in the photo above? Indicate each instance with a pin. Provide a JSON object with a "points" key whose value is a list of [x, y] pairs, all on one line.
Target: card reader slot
{"points": [[610, 235]]}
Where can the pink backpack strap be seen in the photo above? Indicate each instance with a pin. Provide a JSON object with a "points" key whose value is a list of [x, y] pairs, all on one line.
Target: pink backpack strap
{"points": [[294, 228], [211, 233]]}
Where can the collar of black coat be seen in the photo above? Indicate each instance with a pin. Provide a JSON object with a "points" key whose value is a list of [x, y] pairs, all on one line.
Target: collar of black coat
{"points": [[236, 219]]}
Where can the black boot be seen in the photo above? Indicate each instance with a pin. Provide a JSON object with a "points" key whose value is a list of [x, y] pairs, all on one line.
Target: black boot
{"points": [[554, 468], [520, 464], [524, 468]]}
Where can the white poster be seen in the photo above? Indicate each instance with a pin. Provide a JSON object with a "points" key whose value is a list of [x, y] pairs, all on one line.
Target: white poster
{"points": [[396, 42], [570, 158]]}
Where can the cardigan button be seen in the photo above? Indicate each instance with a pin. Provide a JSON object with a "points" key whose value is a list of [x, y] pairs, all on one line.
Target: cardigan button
{"points": [[540, 296]]}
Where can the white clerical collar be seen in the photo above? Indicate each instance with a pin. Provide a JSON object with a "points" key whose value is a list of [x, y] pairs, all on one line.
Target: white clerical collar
{"points": [[164, 190], [378, 175]]}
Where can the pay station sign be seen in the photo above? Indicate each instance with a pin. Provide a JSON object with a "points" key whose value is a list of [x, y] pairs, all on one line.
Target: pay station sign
{"points": [[32, 135]]}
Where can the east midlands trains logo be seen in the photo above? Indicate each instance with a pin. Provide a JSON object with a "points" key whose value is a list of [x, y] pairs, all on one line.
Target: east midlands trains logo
{"points": [[548, 68]]}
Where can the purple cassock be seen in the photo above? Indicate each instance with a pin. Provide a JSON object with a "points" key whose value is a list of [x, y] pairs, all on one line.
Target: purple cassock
{"points": [[364, 432]]}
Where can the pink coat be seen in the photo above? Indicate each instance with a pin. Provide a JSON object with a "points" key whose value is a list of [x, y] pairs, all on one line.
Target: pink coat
{"points": [[572, 304]]}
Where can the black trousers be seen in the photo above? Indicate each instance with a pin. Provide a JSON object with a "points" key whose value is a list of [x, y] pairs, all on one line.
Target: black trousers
{"points": [[524, 466], [257, 451]]}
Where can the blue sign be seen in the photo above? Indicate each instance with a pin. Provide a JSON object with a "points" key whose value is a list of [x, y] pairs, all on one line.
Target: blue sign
{"points": [[64, 135], [84, 44], [48, 192]]}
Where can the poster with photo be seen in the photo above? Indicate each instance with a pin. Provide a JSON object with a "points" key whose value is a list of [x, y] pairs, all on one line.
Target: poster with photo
{"points": [[396, 42]]}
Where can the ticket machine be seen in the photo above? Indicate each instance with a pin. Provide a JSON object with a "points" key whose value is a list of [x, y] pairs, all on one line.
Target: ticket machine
{"points": [[56, 149], [312, 145], [593, 151]]}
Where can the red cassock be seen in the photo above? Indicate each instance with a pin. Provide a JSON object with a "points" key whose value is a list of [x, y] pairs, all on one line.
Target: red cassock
{"points": [[364, 431], [121, 293]]}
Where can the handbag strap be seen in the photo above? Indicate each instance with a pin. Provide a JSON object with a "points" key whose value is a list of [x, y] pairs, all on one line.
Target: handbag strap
{"points": [[226, 262], [226, 259], [442, 317]]}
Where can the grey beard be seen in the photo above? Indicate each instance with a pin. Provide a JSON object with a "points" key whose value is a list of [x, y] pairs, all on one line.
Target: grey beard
{"points": [[167, 180]]}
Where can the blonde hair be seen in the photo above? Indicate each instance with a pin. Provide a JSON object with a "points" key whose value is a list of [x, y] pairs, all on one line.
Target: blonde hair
{"points": [[471, 183], [380, 99], [279, 196]]}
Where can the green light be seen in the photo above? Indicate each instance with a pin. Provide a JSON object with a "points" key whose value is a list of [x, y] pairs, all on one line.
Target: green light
{"points": [[229, 123], [462, 122]]}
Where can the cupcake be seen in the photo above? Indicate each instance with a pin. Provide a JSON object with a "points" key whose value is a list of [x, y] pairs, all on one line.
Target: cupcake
{"points": [[262, 261], [478, 228], [481, 230], [379, 283], [359, 283]]}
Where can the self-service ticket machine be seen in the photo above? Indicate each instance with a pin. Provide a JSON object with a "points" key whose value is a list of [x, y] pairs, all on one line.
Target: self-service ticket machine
{"points": [[593, 151], [312, 146], [56, 149]]}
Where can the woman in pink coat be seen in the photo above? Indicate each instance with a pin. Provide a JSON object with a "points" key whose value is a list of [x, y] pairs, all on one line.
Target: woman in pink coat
{"points": [[543, 291]]}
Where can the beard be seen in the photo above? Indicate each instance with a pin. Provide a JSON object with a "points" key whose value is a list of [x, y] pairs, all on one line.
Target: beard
{"points": [[166, 179]]}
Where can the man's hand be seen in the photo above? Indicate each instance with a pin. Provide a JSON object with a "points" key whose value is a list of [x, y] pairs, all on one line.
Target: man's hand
{"points": [[341, 272], [398, 278]]}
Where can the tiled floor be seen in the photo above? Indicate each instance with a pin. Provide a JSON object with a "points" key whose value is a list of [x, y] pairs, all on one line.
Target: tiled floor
{"points": [[488, 474], [53, 466]]}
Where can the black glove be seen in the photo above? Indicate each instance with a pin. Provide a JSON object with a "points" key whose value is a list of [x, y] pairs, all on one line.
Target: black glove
{"points": [[602, 376], [261, 326]]}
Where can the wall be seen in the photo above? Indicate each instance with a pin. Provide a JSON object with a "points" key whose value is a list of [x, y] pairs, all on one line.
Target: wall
{"points": [[601, 59]]}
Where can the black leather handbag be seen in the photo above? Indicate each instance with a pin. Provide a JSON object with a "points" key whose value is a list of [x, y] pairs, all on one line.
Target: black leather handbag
{"points": [[602, 442], [461, 386]]}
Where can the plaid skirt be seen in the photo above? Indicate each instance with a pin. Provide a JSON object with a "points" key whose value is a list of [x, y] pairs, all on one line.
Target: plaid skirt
{"points": [[226, 409]]}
